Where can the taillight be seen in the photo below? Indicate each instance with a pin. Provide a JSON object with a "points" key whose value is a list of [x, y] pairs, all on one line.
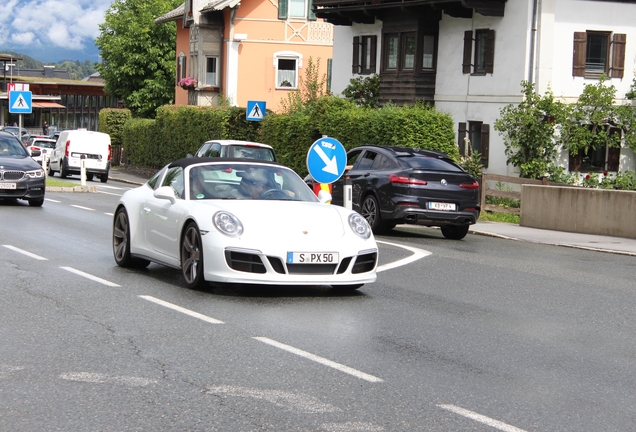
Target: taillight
{"points": [[35, 148], [109, 152], [394, 178], [473, 185], [68, 144]]}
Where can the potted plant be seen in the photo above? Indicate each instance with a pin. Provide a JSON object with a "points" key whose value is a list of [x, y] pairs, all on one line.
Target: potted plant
{"points": [[188, 83]]}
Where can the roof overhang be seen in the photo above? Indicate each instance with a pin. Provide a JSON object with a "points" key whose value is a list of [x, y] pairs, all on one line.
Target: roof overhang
{"points": [[47, 105], [219, 5], [173, 15]]}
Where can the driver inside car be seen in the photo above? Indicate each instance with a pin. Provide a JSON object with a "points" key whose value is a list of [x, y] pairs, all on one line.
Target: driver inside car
{"points": [[251, 187]]}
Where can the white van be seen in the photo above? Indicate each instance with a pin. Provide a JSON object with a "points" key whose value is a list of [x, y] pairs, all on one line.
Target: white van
{"points": [[72, 145]]}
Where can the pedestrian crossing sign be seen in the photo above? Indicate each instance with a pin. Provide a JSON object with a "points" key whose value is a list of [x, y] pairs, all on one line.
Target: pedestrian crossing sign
{"points": [[20, 102], [255, 110]]}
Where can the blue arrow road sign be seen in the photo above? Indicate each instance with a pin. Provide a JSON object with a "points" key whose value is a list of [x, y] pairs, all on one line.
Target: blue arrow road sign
{"points": [[255, 110], [326, 160], [20, 102]]}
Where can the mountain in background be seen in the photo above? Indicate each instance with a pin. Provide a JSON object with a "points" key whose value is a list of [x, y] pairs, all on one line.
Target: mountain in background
{"points": [[76, 69]]}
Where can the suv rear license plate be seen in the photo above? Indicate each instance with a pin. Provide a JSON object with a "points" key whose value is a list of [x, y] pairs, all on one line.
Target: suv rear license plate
{"points": [[441, 206], [312, 257], [7, 185]]}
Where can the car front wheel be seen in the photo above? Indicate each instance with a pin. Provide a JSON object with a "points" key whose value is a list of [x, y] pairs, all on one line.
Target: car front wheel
{"points": [[455, 232], [121, 242], [192, 256]]}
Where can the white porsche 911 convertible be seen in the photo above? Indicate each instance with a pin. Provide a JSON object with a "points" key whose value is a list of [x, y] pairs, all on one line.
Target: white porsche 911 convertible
{"points": [[242, 221]]}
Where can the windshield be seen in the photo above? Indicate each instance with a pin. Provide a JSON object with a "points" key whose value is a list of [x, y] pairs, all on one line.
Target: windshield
{"points": [[11, 147], [13, 129], [44, 144], [247, 182], [430, 163], [251, 152]]}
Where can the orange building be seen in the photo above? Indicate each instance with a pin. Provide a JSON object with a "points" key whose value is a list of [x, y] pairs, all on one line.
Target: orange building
{"points": [[238, 51]]}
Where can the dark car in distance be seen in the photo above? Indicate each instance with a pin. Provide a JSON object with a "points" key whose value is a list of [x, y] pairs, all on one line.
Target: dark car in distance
{"points": [[400, 185], [20, 176]]}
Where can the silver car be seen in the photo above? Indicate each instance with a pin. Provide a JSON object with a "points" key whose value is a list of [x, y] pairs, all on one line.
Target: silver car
{"points": [[45, 145]]}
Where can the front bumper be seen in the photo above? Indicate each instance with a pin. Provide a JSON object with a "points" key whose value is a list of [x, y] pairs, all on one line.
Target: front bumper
{"points": [[234, 263], [25, 189]]}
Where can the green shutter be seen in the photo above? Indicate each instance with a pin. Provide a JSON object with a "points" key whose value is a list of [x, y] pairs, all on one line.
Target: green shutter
{"points": [[311, 16], [283, 9]]}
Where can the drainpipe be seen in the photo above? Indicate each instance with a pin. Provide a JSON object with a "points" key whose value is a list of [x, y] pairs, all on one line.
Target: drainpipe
{"points": [[532, 61], [231, 63]]}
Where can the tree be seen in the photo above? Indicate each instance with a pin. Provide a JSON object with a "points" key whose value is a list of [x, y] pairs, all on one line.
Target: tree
{"points": [[138, 55], [528, 131], [364, 91], [310, 89]]}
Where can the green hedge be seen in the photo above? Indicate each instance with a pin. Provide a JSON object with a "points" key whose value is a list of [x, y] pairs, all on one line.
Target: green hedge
{"points": [[141, 143], [112, 121], [181, 130]]}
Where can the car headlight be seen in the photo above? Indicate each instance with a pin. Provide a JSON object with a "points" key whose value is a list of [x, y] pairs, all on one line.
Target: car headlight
{"points": [[359, 225], [227, 223], [35, 173]]}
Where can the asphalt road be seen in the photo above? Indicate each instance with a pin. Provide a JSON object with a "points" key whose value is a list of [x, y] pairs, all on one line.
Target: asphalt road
{"points": [[475, 335]]}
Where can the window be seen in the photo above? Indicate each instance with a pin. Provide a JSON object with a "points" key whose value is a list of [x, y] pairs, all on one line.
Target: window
{"points": [[408, 51], [181, 67], [602, 159], [287, 64], [367, 160], [296, 9], [477, 137], [210, 71], [174, 179], [428, 51], [481, 61], [391, 51], [364, 55], [597, 53]]}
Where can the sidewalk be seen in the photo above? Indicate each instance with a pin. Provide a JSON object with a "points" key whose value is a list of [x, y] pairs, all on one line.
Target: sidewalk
{"points": [[617, 245]]}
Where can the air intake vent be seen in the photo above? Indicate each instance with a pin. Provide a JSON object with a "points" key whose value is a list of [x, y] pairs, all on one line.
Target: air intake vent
{"points": [[364, 263], [244, 262]]}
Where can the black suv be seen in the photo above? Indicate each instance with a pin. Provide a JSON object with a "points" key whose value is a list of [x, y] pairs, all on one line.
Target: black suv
{"points": [[397, 185]]}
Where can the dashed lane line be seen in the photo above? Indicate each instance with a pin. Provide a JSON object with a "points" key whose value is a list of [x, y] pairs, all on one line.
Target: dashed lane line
{"points": [[90, 276], [182, 310], [342, 368], [29, 254], [481, 418], [52, 200], [82, 207]]}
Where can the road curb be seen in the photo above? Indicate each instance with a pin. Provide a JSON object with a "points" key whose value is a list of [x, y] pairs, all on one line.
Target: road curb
{"points": [[71, 189]]}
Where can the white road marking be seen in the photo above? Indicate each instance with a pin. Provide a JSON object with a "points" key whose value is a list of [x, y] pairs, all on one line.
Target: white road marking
{"points": [[480, 418], [417, 254], [283, 399], [90, 276], [101, 378], [52, 200], [321, 360], [5, 370], [29, 254], [112, 187], [109, 193], [108, 214], [352, 427], [83, 208], [182, 310]]}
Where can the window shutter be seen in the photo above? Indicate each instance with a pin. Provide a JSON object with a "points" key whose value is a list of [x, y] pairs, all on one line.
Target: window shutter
{"points": [[461, 135], [485, 144], [355, 66], [490, 52], [374, 53], [468, 49], [578, 61], [618, 55], [575, 161], [613, 158], [283, 7], [311, 16]]}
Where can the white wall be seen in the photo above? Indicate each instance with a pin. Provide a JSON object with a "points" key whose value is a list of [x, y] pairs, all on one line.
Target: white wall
{"points": [[343, 52]]}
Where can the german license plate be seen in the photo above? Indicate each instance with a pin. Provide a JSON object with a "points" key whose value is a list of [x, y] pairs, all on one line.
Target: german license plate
{"points": [[312, 257], [7, 185], [441, 206]]}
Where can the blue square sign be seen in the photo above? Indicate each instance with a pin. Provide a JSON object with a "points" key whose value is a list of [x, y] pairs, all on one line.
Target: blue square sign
{"points": [[20, 102]]}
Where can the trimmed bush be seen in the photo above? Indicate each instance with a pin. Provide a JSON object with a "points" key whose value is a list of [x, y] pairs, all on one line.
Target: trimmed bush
{"points": [[112, 121], [141, 143]]}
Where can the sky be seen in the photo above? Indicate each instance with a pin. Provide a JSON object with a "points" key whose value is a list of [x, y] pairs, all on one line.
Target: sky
{"points": [[52, 30]]}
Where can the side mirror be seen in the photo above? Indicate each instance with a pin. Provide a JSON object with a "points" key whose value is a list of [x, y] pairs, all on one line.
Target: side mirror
{"points": [[165, 192], [324, 197]]}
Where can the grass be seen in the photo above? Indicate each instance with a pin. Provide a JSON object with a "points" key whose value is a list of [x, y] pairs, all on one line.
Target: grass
{"points": [[488, 216], [59, 183]]}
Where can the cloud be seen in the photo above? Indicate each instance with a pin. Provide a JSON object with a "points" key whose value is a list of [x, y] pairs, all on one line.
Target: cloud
{"points": [[70, 25]]}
